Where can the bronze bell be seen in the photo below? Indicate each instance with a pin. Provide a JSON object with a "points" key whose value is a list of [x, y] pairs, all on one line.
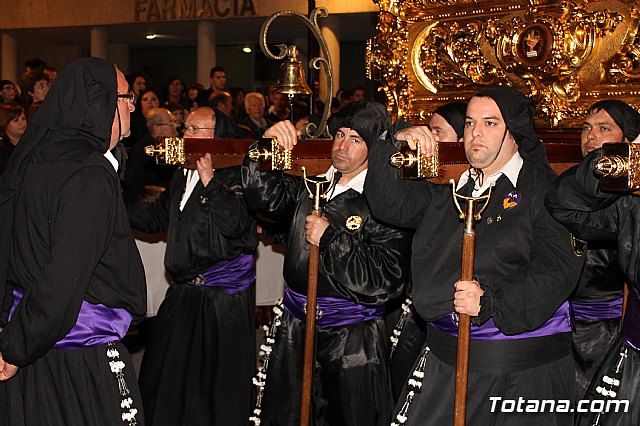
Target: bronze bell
{"points": [[291, 80]]}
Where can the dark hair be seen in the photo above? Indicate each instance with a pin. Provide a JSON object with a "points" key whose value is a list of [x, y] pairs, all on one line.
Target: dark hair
{"points": [[216, 69], [139, 99], [35, 64], [220, 98], [31, 80], [199, 87], [345, 95], [8, 112], [131, 78], [165, 88], [4, 83]]}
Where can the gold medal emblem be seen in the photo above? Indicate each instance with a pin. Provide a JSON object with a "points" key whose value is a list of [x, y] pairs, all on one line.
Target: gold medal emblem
{"points": [[579, 246], [353, 223]]}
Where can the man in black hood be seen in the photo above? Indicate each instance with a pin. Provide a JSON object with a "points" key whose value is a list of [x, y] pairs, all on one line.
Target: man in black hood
{"points": [[524, 270], [596, 304], [362, 267], [447, 121], [609, 223], [71, 277]]}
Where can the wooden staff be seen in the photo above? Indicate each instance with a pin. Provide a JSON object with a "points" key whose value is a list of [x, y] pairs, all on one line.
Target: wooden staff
{"points": [[311, 310], [470, 215]]}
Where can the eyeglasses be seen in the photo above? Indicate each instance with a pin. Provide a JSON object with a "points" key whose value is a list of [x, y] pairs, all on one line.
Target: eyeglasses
{"points": [[193, 129], [8, 87], [129, 97]]}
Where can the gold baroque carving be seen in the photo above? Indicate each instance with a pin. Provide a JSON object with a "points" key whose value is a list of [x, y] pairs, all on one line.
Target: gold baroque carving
{"points": [[383, 64], [450, 56], [566, 54]]}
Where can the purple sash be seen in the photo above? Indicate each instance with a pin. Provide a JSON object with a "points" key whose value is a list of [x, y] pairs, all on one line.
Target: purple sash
{"points": [[594, 311], [330, 311], [631, 323], [558, 323], [233, 275], [96, 324]]}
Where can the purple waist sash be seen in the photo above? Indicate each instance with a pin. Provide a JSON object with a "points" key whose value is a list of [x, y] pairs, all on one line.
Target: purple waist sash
{"points": [[558, 323], [96, 324], [631, 323], [593, 311], [233, 275], [330, 311]]}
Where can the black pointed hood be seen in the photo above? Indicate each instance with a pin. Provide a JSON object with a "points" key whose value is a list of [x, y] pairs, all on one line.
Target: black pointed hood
{"points": [[518, 112], [369, 119]]}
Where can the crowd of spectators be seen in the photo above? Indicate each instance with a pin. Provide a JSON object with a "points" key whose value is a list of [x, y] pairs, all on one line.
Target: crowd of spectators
{"points": [[161, 109]]}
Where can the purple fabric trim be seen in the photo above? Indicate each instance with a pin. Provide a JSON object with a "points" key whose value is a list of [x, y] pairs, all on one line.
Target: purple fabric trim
{"points": [[593, 311], [331, 311], [558, 323], [631, 322], [96, 324], [233, 275]]}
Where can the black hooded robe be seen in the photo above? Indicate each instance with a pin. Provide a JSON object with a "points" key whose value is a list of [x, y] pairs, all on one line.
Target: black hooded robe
{"points": [[366, 265], [200, 355], [576, 201], [523, 261], [65, 239]]}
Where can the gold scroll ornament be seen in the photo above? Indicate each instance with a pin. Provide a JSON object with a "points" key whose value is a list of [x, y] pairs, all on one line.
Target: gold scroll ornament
{"points": [[413, 164], [619, 166]]}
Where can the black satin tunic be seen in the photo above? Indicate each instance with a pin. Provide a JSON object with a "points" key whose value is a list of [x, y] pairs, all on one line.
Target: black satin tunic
{"points": [[523, 258], [214, 225], [576, 201], [601, 278], [367, 265]]}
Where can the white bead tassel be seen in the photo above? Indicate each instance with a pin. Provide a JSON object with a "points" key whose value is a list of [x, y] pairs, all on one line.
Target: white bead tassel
{"points": [[397, 330], [117, 366], [611, 382], [265, 352], [414, 386]]}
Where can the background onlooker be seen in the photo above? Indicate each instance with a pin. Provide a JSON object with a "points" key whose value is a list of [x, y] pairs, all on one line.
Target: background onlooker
{"points": [[238, 95], [217, 81], [357, 94], [147, 100], [8, 91], [35, 88], [193, 93], [279, 109], [12, 125], [138, 82], [173, 92], [51, 73], [254, 122]]}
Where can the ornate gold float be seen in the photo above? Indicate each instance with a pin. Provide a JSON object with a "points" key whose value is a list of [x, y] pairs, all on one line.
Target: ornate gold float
{"points": [[565, 54]]}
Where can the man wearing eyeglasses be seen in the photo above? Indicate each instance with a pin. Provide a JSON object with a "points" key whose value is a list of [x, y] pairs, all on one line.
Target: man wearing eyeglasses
{"points": [[71, 278], [200, 355]]}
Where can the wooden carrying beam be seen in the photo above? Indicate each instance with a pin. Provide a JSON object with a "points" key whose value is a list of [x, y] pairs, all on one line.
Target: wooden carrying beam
{"points": [[562, 147]]}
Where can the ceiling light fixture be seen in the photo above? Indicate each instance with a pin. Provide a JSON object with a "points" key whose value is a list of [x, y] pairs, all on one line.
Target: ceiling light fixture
{"points": [[151, 36], [247, 49]]}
